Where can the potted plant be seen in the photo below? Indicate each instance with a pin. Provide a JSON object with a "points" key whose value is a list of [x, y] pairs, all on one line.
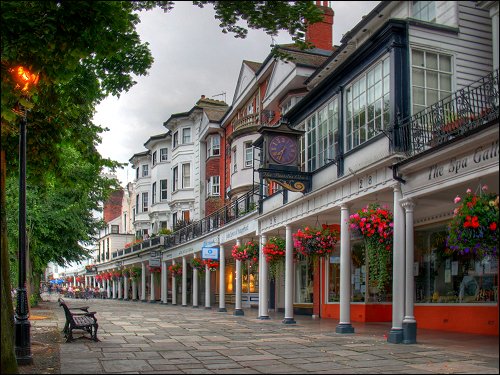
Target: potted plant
{"points": [[274, 251], [315, 242], [473, 230], [375, 225]]}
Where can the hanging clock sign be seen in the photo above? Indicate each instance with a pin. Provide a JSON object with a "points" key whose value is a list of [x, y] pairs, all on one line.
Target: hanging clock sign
{"points": [[281, 156]]}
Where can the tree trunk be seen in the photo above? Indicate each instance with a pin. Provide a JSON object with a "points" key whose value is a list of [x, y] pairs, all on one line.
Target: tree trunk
{"points": [[8, 361]]}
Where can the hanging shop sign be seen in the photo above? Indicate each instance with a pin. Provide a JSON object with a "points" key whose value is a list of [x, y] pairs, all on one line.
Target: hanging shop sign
{"points": [[210, 253], [155, 259]]}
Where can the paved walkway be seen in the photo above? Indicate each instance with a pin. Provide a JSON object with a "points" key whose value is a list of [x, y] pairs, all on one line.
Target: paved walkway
{"points": [[146, 338]]}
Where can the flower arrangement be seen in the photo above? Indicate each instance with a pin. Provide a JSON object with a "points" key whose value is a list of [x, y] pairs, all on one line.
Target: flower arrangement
{"points": [[212, 264], [199, 264], [69, 279], [135, 273], [79, 279], [375, 224], [130, 244], [117, 274], [274, 251], [154, 269], [126, 273], [175, 269], [315, 242], [474, 227], [246, 251], [98, 278]]}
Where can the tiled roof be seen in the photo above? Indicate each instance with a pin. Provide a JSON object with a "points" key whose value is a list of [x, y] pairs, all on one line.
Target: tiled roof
{"points": [[215, 115]]}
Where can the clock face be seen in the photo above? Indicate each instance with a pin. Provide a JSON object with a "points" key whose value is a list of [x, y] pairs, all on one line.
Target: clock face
{"points": [[283, 149]]}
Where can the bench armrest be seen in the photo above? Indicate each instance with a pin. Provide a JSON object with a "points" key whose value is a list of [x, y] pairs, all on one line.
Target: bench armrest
{"points": [[83, 308]]}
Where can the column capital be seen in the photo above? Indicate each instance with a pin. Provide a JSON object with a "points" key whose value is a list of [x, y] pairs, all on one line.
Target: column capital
{"points": [[345, 205], [396, 186], [407, 203]]}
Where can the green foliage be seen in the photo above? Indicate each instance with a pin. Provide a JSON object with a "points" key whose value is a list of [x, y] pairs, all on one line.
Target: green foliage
{"points": [[34, 299]]}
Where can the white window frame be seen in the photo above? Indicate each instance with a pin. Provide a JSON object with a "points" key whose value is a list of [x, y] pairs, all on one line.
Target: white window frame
{"points": [[440, 74], [213, 146], [175, 178], [186, 177], [163, 154], [213, 189], [248, 154], [175, 140], [145, 170], [145, 202], [154, 158], [424, 10], [163, 190], [186, 138], [234, 159], [367, 104], [153, 193]]}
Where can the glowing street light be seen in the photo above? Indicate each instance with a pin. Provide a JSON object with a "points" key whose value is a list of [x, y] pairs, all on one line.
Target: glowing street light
{"points": [[24, 80]]}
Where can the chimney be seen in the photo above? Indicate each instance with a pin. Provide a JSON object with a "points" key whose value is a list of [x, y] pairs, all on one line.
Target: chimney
{"points": [[202, 97], [321, 33]]}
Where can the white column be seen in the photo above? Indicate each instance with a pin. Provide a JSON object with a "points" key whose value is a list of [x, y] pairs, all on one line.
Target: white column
{"points": [[222, 280], [237, 308], [114, 288], [174, 287], [288, 276], [120, 288], [94, 282], [152, 297], [207, 288], [108, 288], [125, 288], [134, 290], [194, 288], [143, 282], [344, 325], [184, 282], [398, 270], [263, 282], [409, 322], [164, 294]]}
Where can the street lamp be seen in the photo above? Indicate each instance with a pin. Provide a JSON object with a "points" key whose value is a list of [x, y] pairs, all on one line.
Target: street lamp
{"points": [[24, 79]]}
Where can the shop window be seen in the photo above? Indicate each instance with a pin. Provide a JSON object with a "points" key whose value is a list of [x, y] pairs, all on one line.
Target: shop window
{"points": [[445, 277], [334, 277], [304, 281]]}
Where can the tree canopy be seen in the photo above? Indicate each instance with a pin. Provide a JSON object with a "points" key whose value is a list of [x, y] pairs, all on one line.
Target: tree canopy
{"points": [[82, 51]]}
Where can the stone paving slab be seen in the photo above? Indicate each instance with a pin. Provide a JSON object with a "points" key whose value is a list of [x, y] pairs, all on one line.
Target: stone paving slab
{"points": [[153, 338]]}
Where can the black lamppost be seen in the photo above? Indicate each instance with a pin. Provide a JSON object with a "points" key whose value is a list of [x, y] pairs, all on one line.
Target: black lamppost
{"points": [[23, 79]]}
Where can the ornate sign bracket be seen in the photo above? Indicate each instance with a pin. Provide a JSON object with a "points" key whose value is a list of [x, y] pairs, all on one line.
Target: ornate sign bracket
{"points": [[296, 181]]}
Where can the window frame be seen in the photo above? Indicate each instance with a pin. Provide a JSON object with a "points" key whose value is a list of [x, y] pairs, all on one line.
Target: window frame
{"points": [[248, 154], [163, 154], [184, 130], [153, 193], [145, 203], [184, 175], [163, 190], [145, 170]]}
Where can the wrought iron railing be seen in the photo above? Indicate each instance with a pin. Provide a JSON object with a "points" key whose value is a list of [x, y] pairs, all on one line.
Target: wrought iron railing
{"points": [[469, 109], [242, 206]]}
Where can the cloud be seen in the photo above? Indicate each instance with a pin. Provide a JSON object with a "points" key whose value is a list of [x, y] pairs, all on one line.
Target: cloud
{"points": [[192, 57]]}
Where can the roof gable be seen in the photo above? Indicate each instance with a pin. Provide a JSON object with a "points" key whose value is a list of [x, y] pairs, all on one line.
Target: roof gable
{"points": [[247, 74]]}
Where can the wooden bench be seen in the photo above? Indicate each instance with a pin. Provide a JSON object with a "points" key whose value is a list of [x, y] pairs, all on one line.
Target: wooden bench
{"points": [[84, 320]]}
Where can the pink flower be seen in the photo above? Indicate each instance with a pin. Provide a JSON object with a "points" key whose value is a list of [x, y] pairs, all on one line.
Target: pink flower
{"points": [[485, 187], [469, 191], [457, 199]]}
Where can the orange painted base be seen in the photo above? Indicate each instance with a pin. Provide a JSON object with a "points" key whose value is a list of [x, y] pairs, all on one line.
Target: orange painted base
{"points": [[476, 319]]}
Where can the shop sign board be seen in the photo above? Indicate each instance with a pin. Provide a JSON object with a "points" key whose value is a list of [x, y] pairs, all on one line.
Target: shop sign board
{"points": [[236, 232], [155, 259], [210, 253]]}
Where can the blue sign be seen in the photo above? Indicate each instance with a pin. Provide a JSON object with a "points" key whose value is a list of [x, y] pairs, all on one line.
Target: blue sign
{"points": [[210, 253]]}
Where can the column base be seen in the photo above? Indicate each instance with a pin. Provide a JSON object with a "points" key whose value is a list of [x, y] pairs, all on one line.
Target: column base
{"points": [[144, 300], [184, 305], [395, 336], [288, 321], [264, 317], [344, 328], [208, 308], [222, 309], [195, 307], [152, 301], [164, 303], [409, 332], [22, 342], [238, 312]]}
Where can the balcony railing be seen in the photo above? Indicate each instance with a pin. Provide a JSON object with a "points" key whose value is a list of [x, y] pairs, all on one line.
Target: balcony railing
{"points": [[247, 121], [244, 205], [467, 110]]}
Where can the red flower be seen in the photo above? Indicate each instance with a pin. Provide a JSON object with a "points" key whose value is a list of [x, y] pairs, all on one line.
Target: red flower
{"points": [[493, 226]]}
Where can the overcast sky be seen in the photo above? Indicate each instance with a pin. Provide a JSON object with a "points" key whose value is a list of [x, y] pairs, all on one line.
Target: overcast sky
{"points": [[192, 57]]}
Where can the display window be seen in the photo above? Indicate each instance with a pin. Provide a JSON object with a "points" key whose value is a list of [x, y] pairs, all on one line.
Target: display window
{"points": [[304, 281], [442, 276]]}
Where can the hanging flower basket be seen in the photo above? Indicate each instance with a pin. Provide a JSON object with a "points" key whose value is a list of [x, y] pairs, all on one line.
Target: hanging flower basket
{"points": [[212, 264], [116, 275], [248, 253], [198, 264], [473, 231], [274, 251], [126, 273], [375, 224], [175, 270], [79, 279], [135, 273], [154, 269], [69, 279], [315, 242], [98, 278]]}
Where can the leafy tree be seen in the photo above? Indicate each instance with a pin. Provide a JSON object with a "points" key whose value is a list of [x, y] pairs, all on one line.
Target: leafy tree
{"points": [[83, 51]]}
